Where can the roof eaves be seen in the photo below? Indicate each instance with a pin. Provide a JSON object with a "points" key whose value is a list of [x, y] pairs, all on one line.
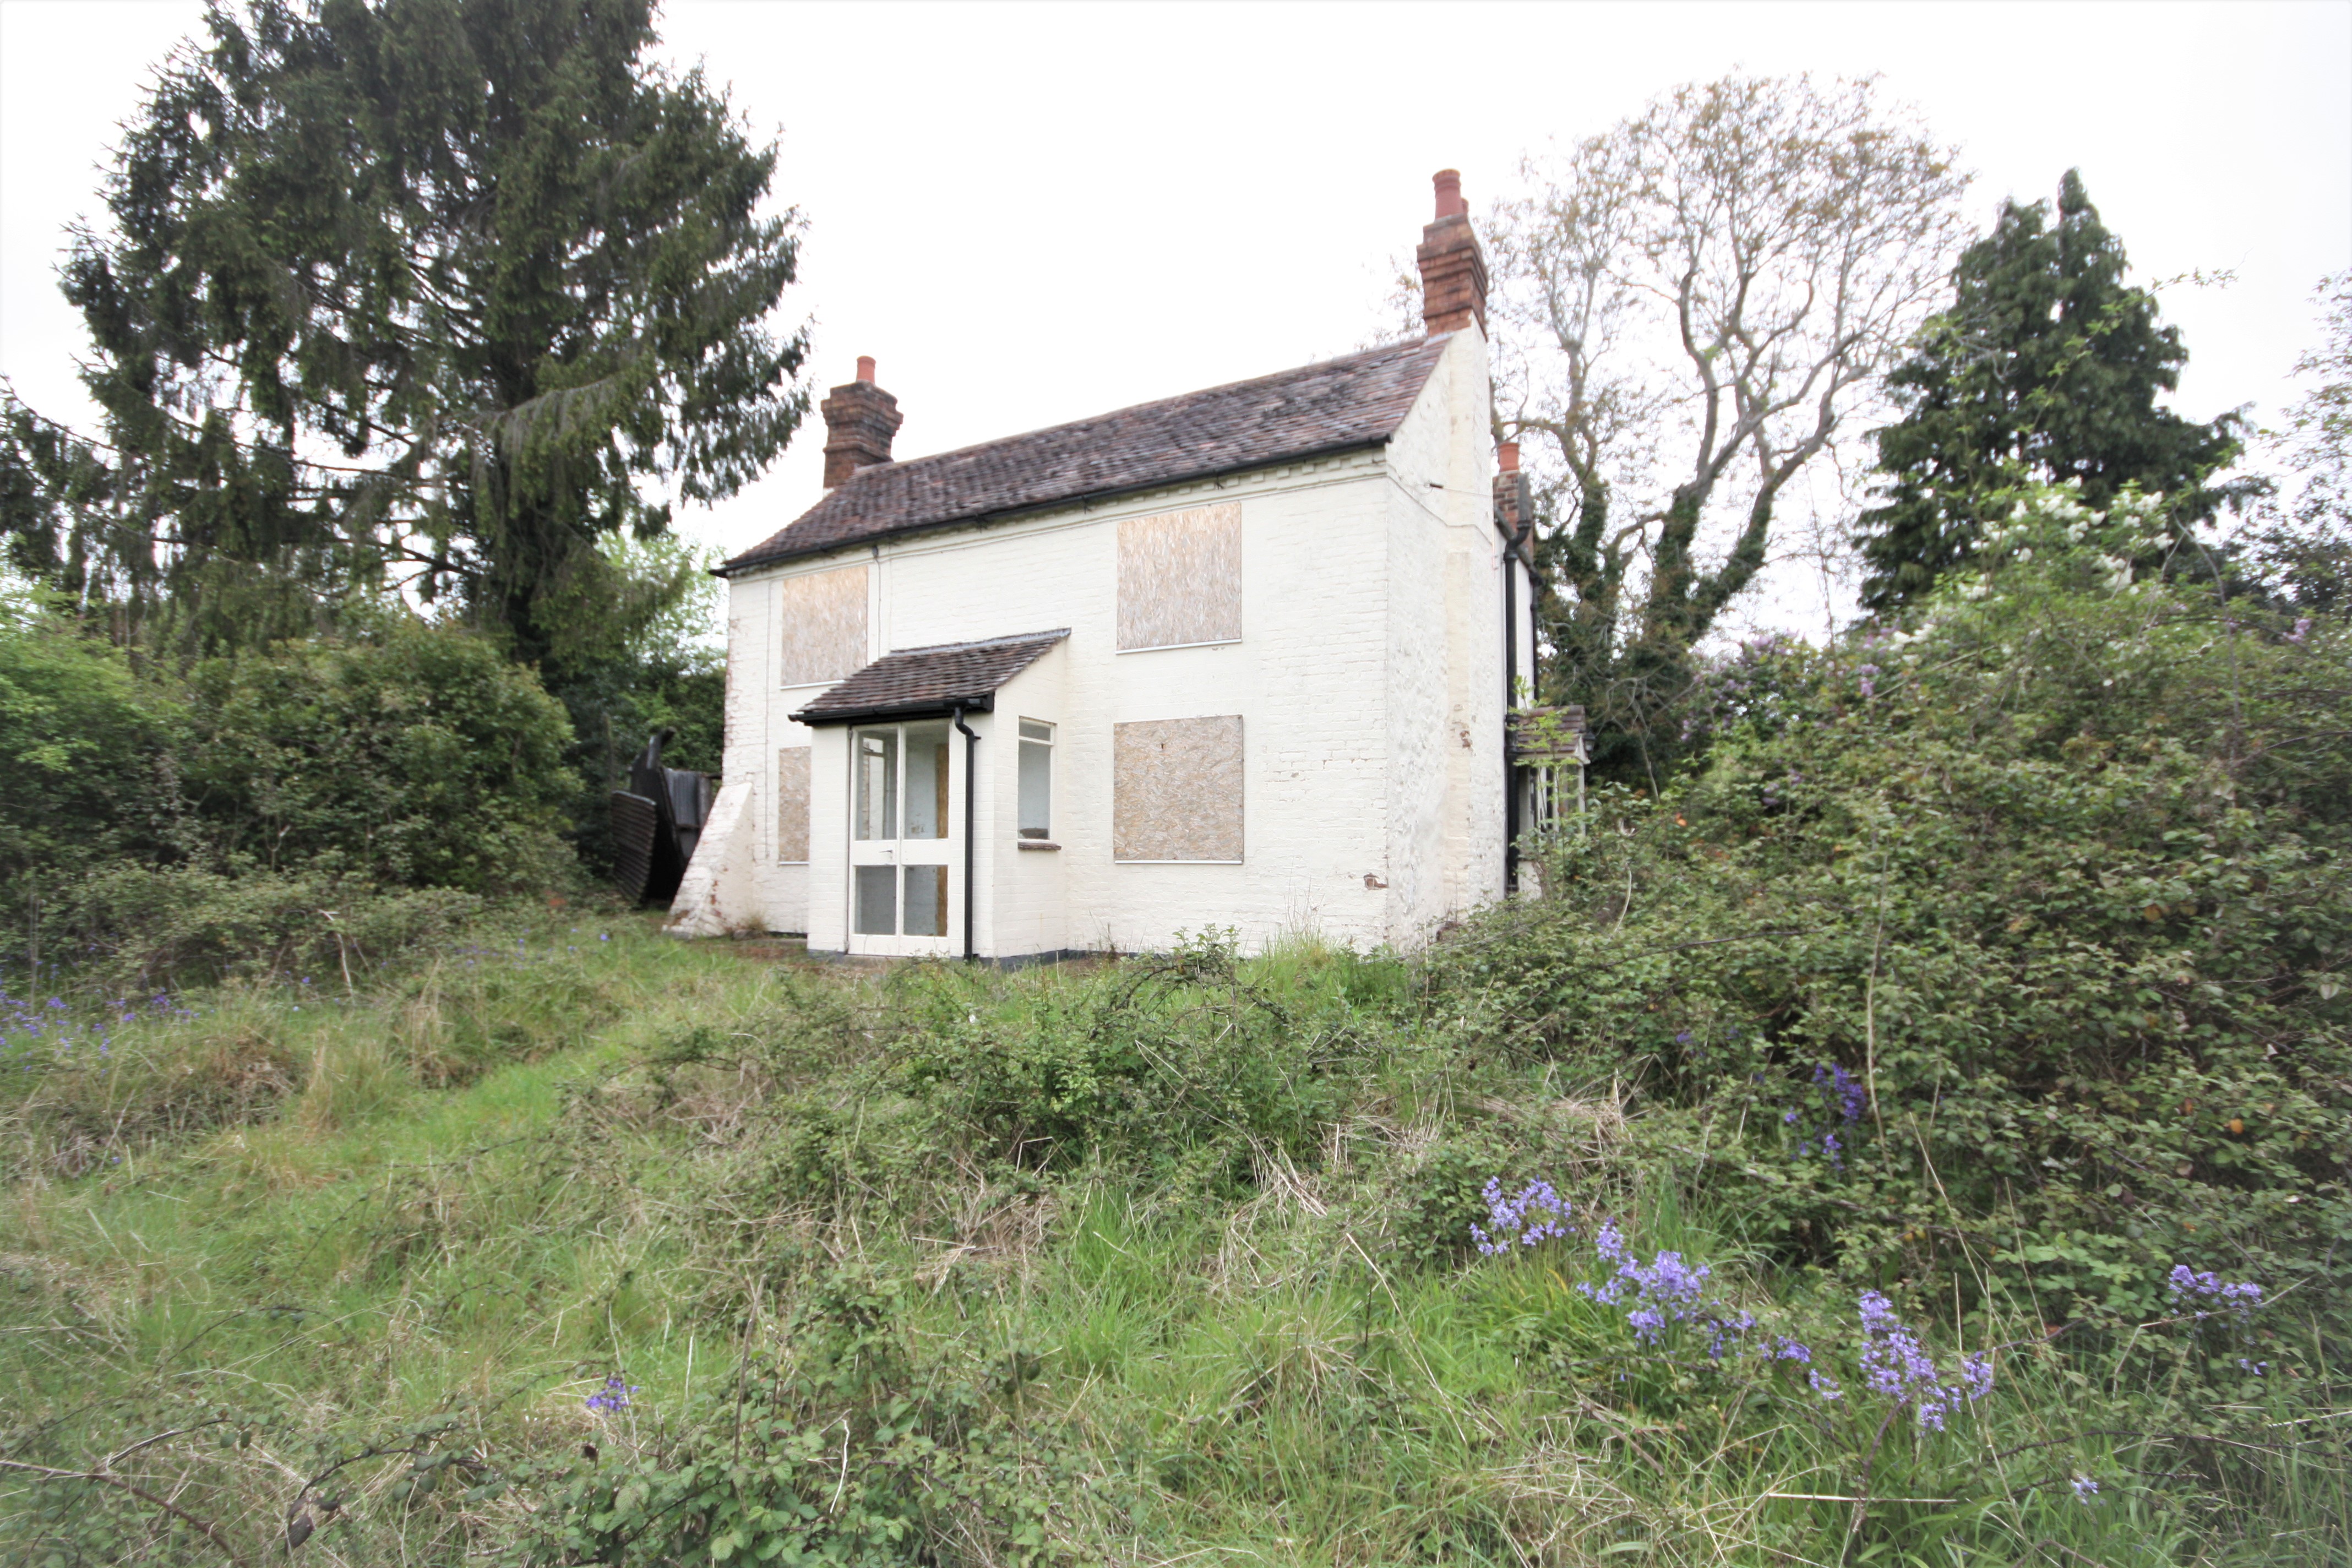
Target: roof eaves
{"points": [[749, 561], [927, 708]]}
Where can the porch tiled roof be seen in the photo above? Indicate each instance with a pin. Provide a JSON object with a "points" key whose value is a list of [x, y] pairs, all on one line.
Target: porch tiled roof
{"points": [[1335, 405], [922, 680]]}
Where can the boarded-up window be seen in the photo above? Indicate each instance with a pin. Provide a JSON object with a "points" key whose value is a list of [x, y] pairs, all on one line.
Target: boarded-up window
{"points": [[1176, 789], [1180, 577], [792, 806], [823, 619]]}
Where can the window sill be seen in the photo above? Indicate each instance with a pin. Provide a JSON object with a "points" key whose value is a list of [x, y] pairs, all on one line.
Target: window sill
{"points": [[1037, 844], [1176, 647]]}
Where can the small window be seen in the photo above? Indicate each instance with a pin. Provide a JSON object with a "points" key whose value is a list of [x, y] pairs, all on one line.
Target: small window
{"points": [[1036, 779]]}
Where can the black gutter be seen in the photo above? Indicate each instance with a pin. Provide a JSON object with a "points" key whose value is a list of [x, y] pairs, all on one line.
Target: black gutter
{"points": [[905, 712], [970, 830]]}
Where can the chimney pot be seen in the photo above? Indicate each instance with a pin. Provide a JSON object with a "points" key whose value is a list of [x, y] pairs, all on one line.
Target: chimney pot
{"points": [[1508, 453], [1449, 193], [860, 419], [1453, 268]]}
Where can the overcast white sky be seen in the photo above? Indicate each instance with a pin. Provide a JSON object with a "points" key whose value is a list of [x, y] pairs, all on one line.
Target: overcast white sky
{"points": [[1032, 213]]}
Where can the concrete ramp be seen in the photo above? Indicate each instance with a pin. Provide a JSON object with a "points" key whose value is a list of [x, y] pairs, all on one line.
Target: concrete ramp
{"points": [[715, 899]]}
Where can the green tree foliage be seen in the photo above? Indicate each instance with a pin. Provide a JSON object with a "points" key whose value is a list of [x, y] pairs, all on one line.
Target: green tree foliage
{"points": [[415, 756], [657, 666], [1689, 307], [2297, 553], [162, 817], [2012, 954], [2046, 367], [424, 292], [85, 743]]}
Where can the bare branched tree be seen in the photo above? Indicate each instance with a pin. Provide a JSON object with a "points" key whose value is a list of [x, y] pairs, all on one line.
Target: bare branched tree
{"points": [[1690, 308]]}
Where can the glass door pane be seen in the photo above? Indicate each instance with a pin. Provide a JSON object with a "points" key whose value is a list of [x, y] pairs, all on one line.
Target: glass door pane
{"points": [[875, 812], [926, 781], [877, 900], [927, 901]]}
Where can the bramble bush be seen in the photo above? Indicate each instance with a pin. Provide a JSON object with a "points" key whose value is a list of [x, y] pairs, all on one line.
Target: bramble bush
{"points": [[2002, 951], [269, 811], [1178, 1065]]}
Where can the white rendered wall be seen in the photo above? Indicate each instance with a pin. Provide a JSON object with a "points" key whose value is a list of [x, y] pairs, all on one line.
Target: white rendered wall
{"points": [[1023, 893], [1369, 679]]}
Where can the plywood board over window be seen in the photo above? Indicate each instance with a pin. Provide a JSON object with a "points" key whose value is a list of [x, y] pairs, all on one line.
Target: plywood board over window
{"points": [[1176, 789], [823, 616], [792, 806], [1180, 577]]}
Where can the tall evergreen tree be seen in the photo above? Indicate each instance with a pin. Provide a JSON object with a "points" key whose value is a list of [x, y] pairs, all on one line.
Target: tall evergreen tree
{"points": [[2047, 366], [425, 292]]}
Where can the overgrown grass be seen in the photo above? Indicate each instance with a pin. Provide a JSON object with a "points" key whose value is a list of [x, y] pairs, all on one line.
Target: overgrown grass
{"points": [[1161, 1260]]}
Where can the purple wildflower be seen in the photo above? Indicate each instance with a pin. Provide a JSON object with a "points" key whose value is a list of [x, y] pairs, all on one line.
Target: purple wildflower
{"points": [[2186, 1286], [2086, 1488], [612, 1396], [2301, 629], [1898, 1368], [1842, 1088], [1522, 1219]]}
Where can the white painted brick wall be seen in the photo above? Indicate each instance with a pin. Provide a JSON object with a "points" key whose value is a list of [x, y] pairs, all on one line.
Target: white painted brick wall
{"points": [[1370, 647]]}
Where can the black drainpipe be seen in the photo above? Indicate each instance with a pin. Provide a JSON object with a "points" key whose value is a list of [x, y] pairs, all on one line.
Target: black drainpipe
{"points": [[970, 830], [1513, 553], [1510, 695]]}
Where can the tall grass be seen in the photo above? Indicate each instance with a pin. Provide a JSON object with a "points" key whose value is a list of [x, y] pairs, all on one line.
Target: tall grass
{"points": [[370, 1258]]}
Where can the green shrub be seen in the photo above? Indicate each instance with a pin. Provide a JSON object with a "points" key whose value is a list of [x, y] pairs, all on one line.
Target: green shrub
{"points": [[142, 926], [2011, 948], [845, 1443], [414, 755], [87, 744], [1180, 1063]]}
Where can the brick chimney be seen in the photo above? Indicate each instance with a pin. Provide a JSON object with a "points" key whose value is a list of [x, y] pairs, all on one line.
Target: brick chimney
{"points": [[1453, 269], [1513, 509], [859, 420]]}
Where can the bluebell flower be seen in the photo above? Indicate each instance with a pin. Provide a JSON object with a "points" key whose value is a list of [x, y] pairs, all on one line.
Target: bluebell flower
{"points": [[2187, 1286], [1538, 1214], [613, 1396], [1897, 1366]]}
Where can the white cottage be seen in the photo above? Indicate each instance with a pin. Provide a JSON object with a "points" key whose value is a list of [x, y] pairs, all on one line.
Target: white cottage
{"points": [[1238, 658]]}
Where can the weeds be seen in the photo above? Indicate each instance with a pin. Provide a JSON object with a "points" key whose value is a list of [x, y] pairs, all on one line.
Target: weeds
{"points": [[693, 1258]]}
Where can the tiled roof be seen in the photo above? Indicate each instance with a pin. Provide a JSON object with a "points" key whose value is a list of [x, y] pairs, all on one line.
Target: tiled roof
{"points": [[1339, 404], [930, 679]]}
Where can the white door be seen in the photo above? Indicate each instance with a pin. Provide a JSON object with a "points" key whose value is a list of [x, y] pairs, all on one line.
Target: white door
{"points": [[899, 792]]}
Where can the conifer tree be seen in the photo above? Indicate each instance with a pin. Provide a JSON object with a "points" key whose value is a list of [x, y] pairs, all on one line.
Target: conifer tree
{"points": [[427, 293], [2046, 366]]}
